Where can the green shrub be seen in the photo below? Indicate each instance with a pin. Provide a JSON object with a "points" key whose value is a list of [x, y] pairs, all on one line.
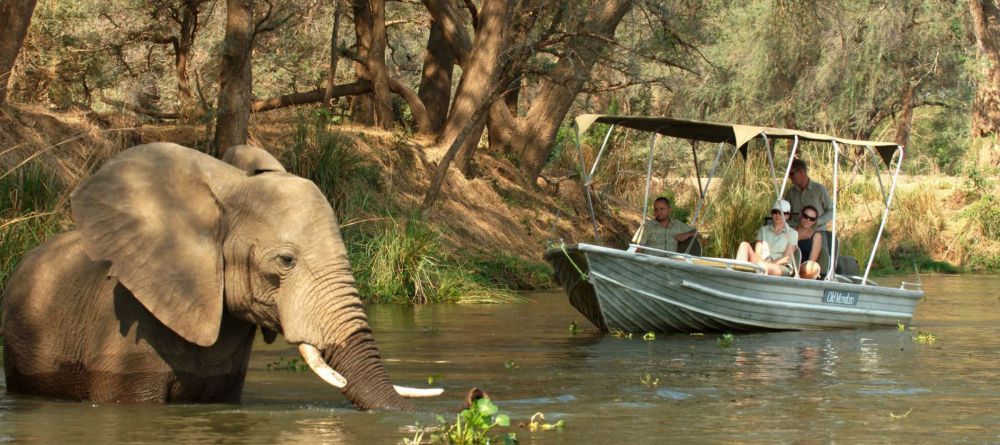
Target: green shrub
{"points": [[30, 198], [333, 162], [405, 262]]}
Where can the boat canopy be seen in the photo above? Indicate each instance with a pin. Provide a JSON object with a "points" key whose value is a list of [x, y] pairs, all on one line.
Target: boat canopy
{"points": [[737, 135]]}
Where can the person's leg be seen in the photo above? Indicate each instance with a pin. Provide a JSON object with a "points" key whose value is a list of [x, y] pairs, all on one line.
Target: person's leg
{"points": [[773, 269], [809, 270], [745, 253]]}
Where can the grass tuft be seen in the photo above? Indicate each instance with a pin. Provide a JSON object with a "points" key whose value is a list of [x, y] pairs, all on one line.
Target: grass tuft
{"points": [[30, 199]]}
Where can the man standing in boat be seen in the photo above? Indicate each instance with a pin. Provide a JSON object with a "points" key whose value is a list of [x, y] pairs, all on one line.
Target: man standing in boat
{"points": [[663, 232], [804, 192]]}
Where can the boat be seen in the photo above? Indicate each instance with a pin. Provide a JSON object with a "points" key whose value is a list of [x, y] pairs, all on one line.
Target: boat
{"points": [[640, 289]]}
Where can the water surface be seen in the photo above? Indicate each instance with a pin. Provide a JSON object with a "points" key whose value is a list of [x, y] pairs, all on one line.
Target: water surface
{"points": [[847, 386]]}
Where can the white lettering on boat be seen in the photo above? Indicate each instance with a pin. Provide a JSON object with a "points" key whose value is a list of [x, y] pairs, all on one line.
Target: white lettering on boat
{"points": [[840, 297]]}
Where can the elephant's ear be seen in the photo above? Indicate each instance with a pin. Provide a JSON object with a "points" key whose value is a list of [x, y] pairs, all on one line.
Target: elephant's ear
{"points": [[154, 213], [252, 160]]}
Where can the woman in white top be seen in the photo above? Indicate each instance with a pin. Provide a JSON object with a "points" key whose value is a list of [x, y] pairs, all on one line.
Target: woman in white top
{"points": [[775, 243]]}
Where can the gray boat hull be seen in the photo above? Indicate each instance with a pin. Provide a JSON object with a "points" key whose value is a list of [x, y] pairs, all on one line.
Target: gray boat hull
{"points": [[635, 292]]}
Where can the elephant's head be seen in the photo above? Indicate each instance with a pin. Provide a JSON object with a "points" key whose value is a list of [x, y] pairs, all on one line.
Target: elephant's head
{"points": [[192, 236]]}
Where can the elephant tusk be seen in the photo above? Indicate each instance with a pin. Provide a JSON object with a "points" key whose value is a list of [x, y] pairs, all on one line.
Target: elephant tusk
{"points": [[319, 366], [414, 393]]}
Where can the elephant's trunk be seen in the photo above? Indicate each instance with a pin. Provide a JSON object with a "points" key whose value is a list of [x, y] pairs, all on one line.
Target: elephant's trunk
{"points": [[358, 362]]}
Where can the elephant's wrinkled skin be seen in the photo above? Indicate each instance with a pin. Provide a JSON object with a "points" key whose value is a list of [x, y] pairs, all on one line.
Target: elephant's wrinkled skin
{"points": [[177, 258]]}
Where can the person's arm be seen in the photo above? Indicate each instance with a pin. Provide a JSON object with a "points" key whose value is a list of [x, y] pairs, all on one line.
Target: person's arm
{"points": [[643, 235], [817, 240], [789, 251], [827, 205]]}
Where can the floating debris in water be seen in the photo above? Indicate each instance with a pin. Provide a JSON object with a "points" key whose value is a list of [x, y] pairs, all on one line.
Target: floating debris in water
{"points": [[899, 416], [650, 381], [925, 338], [649, 336], [536, 425], [727, 340], [574, 328]]}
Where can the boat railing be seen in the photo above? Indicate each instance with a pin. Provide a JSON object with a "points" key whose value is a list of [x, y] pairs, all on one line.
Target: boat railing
{"points": [[726, 263]]}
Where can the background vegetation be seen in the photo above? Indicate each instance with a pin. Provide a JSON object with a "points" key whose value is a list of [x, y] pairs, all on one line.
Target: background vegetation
{"points": [[491, 128]]}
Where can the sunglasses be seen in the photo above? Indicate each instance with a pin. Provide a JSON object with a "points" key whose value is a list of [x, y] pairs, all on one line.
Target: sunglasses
{"points": [[809, 218]]}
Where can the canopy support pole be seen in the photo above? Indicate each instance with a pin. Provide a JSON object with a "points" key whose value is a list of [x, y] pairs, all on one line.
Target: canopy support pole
{"points": [[788, 168], [586, 183], [702, 201], [885, 216], [649, 176], [697, 173], [604, 145], [770, 161], [833, 221]]}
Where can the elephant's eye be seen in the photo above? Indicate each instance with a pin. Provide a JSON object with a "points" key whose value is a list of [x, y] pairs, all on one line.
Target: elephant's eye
{"points": [[286, 260]]}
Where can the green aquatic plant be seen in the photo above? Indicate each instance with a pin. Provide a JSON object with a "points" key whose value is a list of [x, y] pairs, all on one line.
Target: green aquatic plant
{"points": [[925, 338], [283, 364], [574, 328], [473, 425], [900, 326], [650, 336], [900, 416], [620, 334], [727, 340], [535, 423], [649, 380], [433, 378], [511, 364]]}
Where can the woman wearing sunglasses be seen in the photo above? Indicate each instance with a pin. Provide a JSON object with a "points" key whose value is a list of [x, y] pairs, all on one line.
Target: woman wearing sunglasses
{"points": [[775, 243], [810, 243]]}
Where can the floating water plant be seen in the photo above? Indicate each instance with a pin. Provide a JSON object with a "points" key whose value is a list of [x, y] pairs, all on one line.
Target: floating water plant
{"points": [[925, 338], [473, 425], [650, 336], [727, 340], [900, 326], [620, 334], [282, 364], [900, 416], [574, 328], [432, 378], [650, 381], [535, 423], [511, 364]]}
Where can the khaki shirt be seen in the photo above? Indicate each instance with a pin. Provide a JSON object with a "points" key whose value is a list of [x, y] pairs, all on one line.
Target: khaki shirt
{"points": [[777, 242], [815, 195], [652, 234]]}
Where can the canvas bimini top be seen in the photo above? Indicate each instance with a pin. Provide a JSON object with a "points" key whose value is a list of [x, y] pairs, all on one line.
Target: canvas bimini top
{"points": [[737, 135]]}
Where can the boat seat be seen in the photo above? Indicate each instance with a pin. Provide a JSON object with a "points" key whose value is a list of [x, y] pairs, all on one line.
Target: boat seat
{"points": [[846, 264], [695, 243]]}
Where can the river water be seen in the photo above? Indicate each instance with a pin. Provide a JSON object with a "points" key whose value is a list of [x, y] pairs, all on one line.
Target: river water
{"points": [[848, 386]]}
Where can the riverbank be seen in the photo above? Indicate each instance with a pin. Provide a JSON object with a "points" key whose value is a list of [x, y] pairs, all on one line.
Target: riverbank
{"points": [[484, 237]]}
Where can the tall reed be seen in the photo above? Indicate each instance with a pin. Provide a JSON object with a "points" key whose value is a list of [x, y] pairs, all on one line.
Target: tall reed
{"points": [[31, 198]]}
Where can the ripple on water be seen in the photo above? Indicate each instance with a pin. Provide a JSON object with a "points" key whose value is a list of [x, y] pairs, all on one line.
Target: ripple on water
{"points": [[893, 391], [672, 394]]}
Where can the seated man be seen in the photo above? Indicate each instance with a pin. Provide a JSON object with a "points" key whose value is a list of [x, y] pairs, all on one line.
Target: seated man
{"points": [[775, 243], [662, 232]]}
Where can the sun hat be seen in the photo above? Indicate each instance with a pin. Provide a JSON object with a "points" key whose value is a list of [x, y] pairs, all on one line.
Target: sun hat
{"points": [[782, 205]]}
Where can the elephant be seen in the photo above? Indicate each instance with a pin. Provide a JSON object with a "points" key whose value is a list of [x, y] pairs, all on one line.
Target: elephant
{"points": [[177, 257]]}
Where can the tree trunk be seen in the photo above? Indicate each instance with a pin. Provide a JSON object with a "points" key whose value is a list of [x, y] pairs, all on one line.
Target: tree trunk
{"points": [[331, 74], [376, 66], [362, 110], [446, 17], [182, 54], [986, 105], [905, 118], [15, 16], [236, 80], [559, 89], [482, 70], [435, 82]]}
